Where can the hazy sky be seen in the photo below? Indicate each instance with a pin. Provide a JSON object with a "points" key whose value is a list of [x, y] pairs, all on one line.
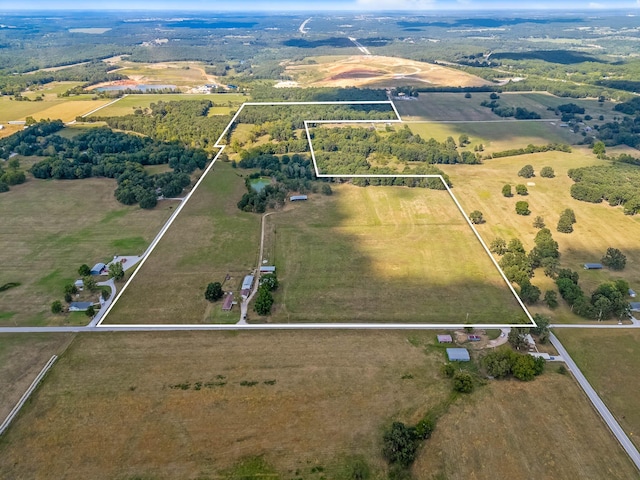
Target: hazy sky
{"points": [[311, 5]]}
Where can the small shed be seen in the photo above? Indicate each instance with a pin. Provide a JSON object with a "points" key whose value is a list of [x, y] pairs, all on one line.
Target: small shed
{"points": [[635, 306], [227, 305], [267, 269], [79, 284], [247, 283], [445, 339], [79, 306], [632, 294], [458, 355], [98, 268], [592, 266], [296, 198]]}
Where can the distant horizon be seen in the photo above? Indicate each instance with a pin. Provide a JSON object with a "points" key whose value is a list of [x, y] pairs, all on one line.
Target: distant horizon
{"points": [[318, 6]]}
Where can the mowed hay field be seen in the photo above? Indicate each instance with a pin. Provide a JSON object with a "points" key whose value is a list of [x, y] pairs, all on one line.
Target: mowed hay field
{"points": [[22, 356], [127, 105], [52, 107], [544, 429], [45, 241], [210, 239], [383, 254], [107, 409], [610, 359], [598, 226]]}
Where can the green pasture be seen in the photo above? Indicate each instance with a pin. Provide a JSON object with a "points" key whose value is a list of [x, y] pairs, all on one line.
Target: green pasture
{"points": [[127, 105]]}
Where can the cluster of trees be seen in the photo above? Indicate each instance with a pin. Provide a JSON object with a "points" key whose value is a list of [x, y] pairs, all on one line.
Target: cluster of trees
{"points": [[11, 176], [527, 172], [213, 292], [614, 259], [557, 147], [606, 301], [518, 266], [400, 443], [566, 221], [30, 141], [184, 121], [615, 183], [519, 113], [264, 299], [625, 131], [352, 149], [504, 362], [265, 93], [100, 152]]}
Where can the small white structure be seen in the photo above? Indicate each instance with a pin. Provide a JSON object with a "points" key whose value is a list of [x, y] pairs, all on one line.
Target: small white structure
{"points": [[79, 284], [632, 294], [80, 306]]}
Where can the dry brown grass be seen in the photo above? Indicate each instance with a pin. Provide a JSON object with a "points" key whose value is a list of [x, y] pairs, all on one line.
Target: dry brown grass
{"points": [[22, 356], [368, 70], [107, 409], [545, 429]]}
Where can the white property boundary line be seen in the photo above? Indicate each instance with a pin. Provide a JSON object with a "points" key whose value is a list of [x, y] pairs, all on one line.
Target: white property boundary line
{"points": [[222, 146], [27, 394]]}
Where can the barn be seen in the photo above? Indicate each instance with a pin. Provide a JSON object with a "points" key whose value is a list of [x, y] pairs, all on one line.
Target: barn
{"points": [[445, 339], [267, 269], [98, 269], [592, 266], [458, 355], [296, 198]]}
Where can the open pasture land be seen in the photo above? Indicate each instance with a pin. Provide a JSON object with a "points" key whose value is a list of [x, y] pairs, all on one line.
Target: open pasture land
{"points": [[22, 356], [65, 109], [10, 130], [210, 239], [377, 71], [383, 254], [174, 73], [50, 91], [121, 405], [44, 241], [598, 226], [497, 135], [610, 359], [127, 105], [510, 429]]}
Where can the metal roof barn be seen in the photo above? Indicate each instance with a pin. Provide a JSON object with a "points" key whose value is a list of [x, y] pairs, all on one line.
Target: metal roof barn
{"points": [[458, 354]]}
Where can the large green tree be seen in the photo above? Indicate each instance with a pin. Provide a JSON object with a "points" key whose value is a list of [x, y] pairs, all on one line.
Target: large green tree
{"points": [[116, 271], [213, 291], [614, 259]]}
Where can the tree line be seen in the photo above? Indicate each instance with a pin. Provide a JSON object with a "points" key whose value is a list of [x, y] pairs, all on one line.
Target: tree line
{"points": [[616, 183]]}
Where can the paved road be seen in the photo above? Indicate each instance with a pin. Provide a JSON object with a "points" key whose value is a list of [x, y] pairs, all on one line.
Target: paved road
{"points": [[602, 409]]}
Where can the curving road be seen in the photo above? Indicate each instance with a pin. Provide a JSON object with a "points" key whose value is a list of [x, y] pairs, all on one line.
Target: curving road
{"points": [[602, 409]]}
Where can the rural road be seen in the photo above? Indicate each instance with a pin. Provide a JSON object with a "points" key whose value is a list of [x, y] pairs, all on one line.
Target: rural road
{"points": [[602, 409]]}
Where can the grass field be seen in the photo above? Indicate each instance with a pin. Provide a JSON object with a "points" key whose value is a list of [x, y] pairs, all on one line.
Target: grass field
{"points": [[107, 410], [383, 254], [65, 109], [198, 404], [610, 360], [174, 73], [130, 103], [497, 136], [508, 429], [22, 356], [479, 187], [210, 239], [44, 241]]}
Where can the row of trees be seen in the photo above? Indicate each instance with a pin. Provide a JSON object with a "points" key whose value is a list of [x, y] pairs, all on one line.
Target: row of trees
{"points": [[519, 113], [550, 147]]}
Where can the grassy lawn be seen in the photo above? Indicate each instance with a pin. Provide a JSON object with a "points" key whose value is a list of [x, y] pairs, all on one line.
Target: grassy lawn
{"points": [[130, 103], [610, 360], [509, 429], [107, 409], [383, 254], [598, 226], [22, 356], [65, 109], [44, 241], [208, 241]]}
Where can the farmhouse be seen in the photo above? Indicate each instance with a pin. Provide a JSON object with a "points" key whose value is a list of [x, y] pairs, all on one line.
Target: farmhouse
{"points": [[228, 303], [79, 306], [98, 269], [445, 339], [296, 198], [458, 354], [592, 266], [267, 269]]}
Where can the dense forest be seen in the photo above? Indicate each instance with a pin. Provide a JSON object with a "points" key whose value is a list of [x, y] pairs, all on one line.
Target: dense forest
{"points": [[616, 183], [359, 150], [183, 121], [100, 152]]}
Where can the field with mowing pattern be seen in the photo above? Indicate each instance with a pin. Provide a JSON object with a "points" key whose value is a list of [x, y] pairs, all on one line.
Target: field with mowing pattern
{"points": [[22, 356], [383, 254], [128, 104], [307, 403], [598, 226], [610, 359], [44, 241], [210, 239]]}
